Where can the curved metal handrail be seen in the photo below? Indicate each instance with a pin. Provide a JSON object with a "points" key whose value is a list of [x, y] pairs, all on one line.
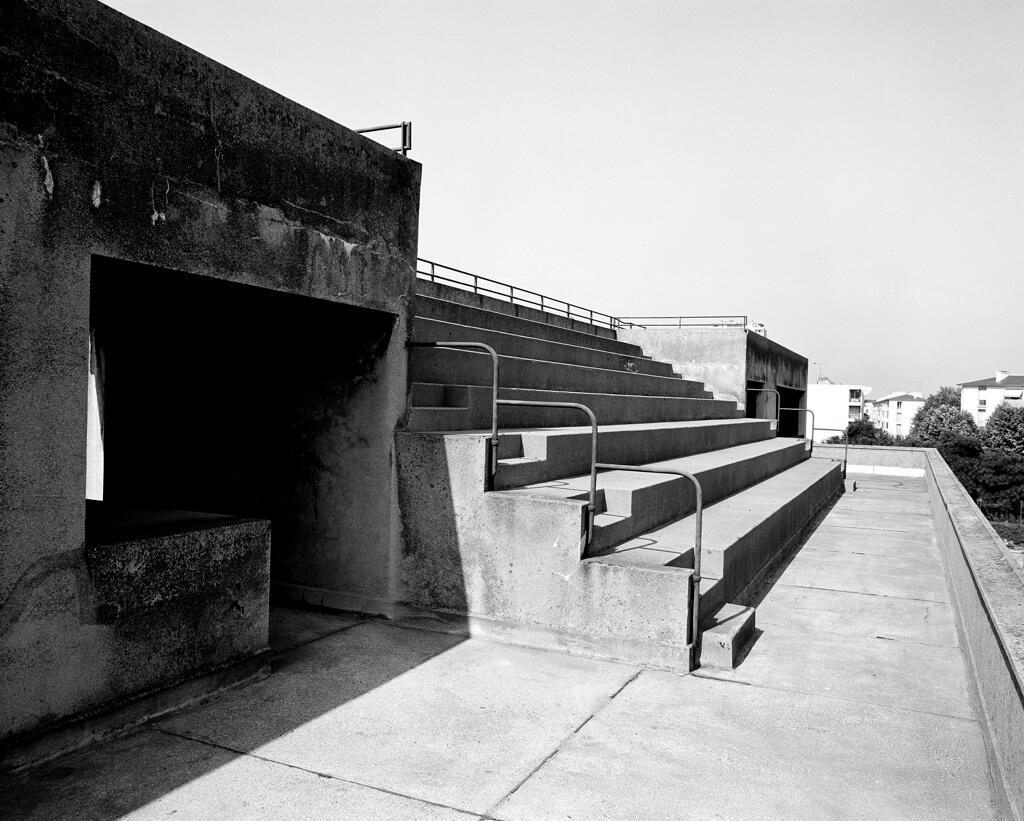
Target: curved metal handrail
{"points": [[492, 467], [778, 401], [699, 528], [846, 443], [588, 530], [805, 410]]}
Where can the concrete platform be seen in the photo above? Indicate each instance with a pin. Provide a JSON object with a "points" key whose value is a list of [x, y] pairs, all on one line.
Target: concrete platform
{"points": [[850, 704]]}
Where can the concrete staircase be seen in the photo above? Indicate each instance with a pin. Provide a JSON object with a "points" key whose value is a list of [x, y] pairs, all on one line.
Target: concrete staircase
{"points": [[508, 560]]}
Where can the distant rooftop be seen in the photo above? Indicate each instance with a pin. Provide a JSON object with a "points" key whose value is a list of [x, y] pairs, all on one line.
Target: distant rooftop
{"points": [[1009, 381], [903, 397]]}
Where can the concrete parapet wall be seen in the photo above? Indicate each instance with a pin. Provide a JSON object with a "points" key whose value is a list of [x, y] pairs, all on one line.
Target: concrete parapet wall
{"points": [[116, 143], [987, 590]]}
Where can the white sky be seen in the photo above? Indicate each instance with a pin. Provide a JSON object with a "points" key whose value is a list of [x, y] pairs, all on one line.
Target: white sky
{"points": [[850, 173]]}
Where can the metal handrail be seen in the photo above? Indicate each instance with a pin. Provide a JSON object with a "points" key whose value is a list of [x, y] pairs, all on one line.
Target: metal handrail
{"points": [[521, 296], [846, 448], [406, 134], [806, 410], [699, 527], [778, 400], [492, 467], [726, 320], [588, 530]]}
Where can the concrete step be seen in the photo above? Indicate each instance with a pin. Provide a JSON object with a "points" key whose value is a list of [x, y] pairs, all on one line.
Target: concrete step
{"points": [[632, 503], [475, 317], [447, 366], [531, 347], [741, 534], [724, 634], [542, 455], [609, 408]]}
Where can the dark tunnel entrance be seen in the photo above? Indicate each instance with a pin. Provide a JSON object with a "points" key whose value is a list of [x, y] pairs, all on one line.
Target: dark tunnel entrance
{"points": [[223, 398]]}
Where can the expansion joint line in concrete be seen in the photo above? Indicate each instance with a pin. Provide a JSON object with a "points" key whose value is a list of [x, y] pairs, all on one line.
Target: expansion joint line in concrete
{"points": [[384, 790], [561, 744], [830, 697], [861, 593]]}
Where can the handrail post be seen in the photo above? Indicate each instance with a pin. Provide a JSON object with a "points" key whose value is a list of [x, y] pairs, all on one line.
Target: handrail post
{"points": [[588, 528], [698, 535], [492, 466], [846, 445], [806, 410]]}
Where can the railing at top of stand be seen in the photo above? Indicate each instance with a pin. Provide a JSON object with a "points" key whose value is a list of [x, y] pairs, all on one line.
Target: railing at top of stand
{"points": [[477, 284], [846, 444], [711, 321]]}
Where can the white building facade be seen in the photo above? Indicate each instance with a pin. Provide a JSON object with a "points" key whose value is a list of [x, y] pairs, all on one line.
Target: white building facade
{"points": [[982, 396], [894, 413], [835, 406]]}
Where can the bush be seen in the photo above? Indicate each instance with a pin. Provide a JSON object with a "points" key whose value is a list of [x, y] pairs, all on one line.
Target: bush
{"points": [[931, 424], [1005, 430]]}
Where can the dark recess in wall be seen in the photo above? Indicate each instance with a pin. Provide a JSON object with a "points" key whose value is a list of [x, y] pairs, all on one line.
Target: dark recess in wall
{"points": [[216, 395]]}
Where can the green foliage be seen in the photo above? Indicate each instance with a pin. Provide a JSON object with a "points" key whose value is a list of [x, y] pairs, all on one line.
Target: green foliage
{"points": [[1005, 430], [864, 432], [946, 395], [931, 424]]}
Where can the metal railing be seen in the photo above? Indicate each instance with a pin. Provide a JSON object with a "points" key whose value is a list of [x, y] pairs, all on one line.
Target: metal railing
{"points": [[778, 400], [588, 528], [477, 284], [698, 532], [846, 445], [406, 127], [810, 438], [492, 465], [706, 321]]}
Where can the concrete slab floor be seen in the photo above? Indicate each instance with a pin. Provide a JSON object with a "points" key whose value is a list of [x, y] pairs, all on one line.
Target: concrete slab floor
{"points": [[851, 704]]}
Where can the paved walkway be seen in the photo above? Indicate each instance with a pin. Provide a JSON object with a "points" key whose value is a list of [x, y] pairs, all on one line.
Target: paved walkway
{"points": [[852, 703]]}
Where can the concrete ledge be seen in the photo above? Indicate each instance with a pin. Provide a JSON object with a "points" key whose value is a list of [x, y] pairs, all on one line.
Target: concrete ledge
{"points": [[22, 752], [724, 635]]}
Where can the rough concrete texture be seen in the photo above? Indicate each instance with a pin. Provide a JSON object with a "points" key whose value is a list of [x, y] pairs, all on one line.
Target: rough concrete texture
{"points": [[988, 594], [116, 142], [515, 561], [725, 360], [144, 614], [821, 720]]}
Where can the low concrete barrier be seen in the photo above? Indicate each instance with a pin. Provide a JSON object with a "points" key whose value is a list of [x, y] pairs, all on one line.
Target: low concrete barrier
{"points": [[987, 593]]}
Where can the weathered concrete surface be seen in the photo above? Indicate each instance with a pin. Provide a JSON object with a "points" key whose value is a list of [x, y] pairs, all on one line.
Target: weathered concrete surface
{"points": [[726, 360], [144, 613], [156, 775], [988, 594], [117, 143], [693, 748], [510, 564], [464, 725]]}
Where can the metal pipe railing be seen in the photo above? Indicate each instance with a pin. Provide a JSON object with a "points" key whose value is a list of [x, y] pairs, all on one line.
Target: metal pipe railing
{"points": [[588, 529], [846, 443], [699, 529], [406, 134], [492, 467], [519, 296], [778, 400], [810, 438]]}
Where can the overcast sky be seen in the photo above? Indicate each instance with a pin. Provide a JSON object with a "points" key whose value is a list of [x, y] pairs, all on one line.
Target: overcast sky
{"points": [[849, 173]]}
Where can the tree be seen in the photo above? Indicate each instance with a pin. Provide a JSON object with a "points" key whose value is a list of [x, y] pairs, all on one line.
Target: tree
{"points": [[1004, 430], [946, 395], [930, 424], [864, 432]]}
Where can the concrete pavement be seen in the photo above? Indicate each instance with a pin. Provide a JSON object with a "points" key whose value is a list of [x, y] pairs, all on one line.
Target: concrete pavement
{"points": [[851, 703]]}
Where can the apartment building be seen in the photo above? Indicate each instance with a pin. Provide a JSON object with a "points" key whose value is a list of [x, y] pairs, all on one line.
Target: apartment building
{"points": [[835, 406], [981, 396]]}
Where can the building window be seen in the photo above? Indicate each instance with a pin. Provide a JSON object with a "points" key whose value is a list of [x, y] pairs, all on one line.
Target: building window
{"points": [[981, 403], [854, 395]]}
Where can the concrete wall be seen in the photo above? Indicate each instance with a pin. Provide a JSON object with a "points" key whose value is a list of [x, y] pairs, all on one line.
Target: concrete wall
{"points": [[117, 143], [715, 356]]}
